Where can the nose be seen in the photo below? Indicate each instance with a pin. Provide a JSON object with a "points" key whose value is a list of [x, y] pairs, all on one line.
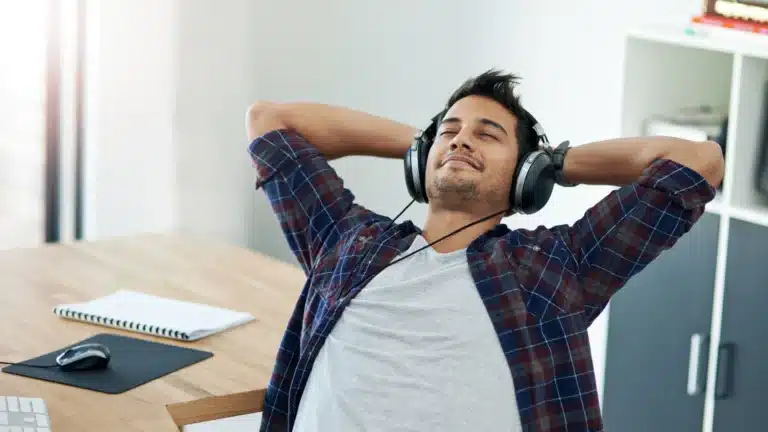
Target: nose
{"points": [[460, 141]]}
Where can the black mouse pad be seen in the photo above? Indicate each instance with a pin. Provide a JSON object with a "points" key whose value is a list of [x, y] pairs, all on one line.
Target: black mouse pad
{"points": [[133, 362]]}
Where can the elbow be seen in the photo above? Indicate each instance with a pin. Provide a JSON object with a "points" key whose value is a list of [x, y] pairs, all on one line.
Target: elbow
{"points": [[704, 157], [711, 163], [263, 117]]}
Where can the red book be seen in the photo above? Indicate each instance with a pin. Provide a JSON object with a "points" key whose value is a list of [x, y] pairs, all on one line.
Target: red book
{"points": [[714, 20]]}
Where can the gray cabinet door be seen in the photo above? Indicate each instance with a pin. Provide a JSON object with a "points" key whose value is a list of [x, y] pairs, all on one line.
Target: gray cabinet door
{"points": [[742, 367], [652, 323]]}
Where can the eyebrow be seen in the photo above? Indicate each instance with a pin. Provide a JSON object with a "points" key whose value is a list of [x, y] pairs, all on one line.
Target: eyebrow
{"points": [[483, 120]]}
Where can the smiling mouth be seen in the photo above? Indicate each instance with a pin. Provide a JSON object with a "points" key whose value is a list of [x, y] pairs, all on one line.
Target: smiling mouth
{"points": [[458, 160]]}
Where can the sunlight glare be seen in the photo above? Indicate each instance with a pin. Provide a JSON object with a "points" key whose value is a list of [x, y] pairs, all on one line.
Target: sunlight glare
{"points": [[23, 27]]}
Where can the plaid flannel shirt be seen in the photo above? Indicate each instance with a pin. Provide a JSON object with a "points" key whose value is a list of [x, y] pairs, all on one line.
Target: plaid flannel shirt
{"points": [[542, 287]]}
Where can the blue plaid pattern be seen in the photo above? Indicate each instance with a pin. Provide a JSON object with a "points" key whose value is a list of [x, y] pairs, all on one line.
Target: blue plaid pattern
{"points": [[542, 287]]}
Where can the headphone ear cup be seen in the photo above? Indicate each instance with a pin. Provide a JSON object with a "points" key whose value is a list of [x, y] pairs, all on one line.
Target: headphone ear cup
{"points": [[533, 183], [416, 160], [415, 163], [423, 154], [409, 159]]}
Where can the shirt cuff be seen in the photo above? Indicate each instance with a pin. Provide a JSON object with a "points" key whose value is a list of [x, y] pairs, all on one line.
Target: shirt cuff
{"points": [[691, 189], [277, 151]]}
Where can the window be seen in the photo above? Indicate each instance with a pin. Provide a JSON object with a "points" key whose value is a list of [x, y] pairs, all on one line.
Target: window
{"points": [[33, 71]]}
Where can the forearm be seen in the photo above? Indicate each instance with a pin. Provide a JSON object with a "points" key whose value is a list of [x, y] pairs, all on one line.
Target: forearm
{"points": [[334, 130], [621, 161]]}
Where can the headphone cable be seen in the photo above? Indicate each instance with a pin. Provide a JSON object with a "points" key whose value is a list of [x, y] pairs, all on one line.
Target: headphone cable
{"points": [[430, 244], [446, 236]]}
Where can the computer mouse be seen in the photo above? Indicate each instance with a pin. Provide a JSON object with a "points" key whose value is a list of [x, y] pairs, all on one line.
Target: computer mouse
{"points": [[90, 356]]}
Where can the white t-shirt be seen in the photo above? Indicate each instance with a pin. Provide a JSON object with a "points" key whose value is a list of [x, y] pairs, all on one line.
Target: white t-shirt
{"points": [[414, 351]]}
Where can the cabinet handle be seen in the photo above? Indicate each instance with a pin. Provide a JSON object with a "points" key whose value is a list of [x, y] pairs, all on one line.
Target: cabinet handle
{"points": [[694, 364], [725, 361]]}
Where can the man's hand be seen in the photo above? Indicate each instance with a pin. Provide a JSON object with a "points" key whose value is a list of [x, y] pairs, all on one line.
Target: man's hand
{"points": [[335, 131], [620, 162]]}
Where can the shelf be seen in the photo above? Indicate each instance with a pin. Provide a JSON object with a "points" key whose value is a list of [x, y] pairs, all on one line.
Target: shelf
{"points": [[661, 79], [706, 38], [667, 70], [755, 215]]}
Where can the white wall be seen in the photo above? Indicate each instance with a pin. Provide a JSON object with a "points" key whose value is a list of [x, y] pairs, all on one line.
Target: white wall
{"points": [[130, 174], [168, 85], [172, 95], [216, 81]]}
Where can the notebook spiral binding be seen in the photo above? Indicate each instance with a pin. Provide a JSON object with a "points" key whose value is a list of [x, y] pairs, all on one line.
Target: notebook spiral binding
{"points": [[120, 324]]}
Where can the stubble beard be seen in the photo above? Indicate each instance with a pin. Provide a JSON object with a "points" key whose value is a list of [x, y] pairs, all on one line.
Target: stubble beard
{"points": [[455, 192], [460, 194]]}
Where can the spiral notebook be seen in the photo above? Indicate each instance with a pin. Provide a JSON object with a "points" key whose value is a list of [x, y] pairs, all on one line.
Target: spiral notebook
{"points": [[158, 316]]}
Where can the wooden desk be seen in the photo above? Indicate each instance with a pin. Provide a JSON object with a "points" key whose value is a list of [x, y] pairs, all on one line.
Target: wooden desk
{"points": [[33, 280]]}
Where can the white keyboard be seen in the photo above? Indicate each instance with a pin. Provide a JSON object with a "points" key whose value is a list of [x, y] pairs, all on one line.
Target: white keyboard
{"points": [[23, 414]]}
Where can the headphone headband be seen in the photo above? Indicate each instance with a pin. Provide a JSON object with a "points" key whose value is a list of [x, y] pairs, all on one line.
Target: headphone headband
{"points": [[430, 132], [538, 129]]}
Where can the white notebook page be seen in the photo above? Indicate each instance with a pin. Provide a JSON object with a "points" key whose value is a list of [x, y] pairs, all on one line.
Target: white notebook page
{"points": [[192, 318]]}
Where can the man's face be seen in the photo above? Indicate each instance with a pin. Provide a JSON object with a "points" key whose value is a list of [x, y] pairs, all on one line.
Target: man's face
{"points": [[474, 156]]}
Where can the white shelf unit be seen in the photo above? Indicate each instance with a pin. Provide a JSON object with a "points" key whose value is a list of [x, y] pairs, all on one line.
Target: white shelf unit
{"points": [[668, 68]]}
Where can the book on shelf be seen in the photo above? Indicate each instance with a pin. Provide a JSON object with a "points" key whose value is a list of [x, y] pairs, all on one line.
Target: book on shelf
{"points": [[730, 23]]}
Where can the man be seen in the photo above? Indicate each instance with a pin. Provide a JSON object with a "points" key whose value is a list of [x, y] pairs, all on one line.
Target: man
{"points": [[485, 330]]}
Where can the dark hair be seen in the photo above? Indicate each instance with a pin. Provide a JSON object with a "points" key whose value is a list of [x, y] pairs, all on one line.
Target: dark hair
{"points": [[500, 87]]}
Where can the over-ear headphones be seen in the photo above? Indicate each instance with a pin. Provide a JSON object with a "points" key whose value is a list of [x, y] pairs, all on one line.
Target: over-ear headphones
{"points": [[532, 182]]}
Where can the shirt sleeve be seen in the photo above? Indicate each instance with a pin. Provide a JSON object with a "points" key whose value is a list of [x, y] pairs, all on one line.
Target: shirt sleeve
{"points": [[306, 194], [629, 228]]}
